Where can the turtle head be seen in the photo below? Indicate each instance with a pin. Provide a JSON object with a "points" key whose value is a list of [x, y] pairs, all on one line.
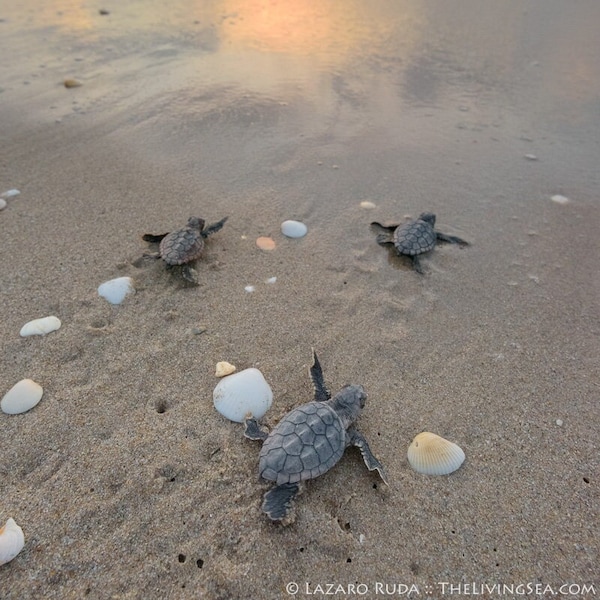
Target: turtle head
{"points": [[196, 223], [348, 403], [428, 218]]}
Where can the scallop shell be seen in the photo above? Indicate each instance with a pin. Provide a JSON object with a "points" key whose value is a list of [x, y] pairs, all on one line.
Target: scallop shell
{"points": [[431, 454], [12, 541], [40, 326]]}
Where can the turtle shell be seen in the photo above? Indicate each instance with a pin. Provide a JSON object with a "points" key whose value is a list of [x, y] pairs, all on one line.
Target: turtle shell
{"points": [[306, 443], [414, 237], [182, 246]]}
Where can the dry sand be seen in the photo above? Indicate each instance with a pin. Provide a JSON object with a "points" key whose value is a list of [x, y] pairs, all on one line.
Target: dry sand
{"points": [[126, 481]]}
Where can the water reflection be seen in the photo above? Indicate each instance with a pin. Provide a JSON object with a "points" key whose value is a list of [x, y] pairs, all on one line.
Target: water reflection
{"points": [[370, 56]]}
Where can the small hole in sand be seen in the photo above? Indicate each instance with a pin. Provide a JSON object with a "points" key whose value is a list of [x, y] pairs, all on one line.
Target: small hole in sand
{"points": [[181, 558], [161, 406], [348, 560], [200, 563], [586, 479]]}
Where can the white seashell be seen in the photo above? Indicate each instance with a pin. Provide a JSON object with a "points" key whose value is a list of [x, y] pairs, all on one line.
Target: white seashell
{"points": [[367, 204], [431, 454], [12, 541], [249, 288], [40, 326], [224, 368], [242, 393], [271, 280], [560, 199], [10, 194], [115, 290], [294, 229], [23, 396]]}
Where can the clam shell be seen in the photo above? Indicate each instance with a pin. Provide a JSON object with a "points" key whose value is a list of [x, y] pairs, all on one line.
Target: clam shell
{"points": [[12, 541], [431, 454], [21, 397], [242, 393], [40, 326], [265, 243]]}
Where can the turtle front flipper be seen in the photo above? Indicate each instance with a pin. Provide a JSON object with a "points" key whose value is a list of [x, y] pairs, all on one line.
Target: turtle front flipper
{"points": [[277, 502], [214, 227], [253, 431], [322, 394], [154, 239], [357, 439], [451, 239]]}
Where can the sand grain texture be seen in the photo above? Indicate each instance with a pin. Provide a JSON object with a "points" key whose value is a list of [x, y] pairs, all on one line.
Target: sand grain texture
{"points": [[125, 480]]}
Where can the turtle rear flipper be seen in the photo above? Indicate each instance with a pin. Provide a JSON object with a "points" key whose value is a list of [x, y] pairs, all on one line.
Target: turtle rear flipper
{"points": [[451, 239], [416, 263], [154, 239], [322, 394], [189, 274], [357, 439], [277, 502], [214, 227], [385, 238]]}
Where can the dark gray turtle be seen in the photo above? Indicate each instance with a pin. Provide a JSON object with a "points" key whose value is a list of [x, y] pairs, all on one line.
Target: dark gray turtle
{"points": [[415, 237], [308, 441], [184, 245]]}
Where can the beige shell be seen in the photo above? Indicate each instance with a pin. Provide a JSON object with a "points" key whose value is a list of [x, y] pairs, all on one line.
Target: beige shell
{"points": [[431, 454], [224, 368], [12, 541]]}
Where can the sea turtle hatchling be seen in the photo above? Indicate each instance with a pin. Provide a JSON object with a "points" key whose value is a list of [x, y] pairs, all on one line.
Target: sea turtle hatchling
{"points": [[184, 245], [415, 237], [308, 441]]}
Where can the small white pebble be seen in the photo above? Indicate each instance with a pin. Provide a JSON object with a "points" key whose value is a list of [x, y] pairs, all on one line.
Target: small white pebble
{"points": [[366, 204], [294, 229], [10, 193], [559, 422], [531, 157], [271, 280], [249, 288], [361, 538], [560, 199]]}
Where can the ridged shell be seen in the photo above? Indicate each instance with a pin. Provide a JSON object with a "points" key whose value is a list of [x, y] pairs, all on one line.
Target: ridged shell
{"points": [[12, 541], [243, 393], [431, 454]]}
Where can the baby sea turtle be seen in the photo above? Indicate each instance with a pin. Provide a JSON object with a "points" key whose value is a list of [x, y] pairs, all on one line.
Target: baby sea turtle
{"points": [[308, 441], [415, 237], [184, 245]]}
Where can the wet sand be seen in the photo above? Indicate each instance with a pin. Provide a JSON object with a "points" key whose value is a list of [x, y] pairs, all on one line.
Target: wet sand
{"points": [[125, 480]]}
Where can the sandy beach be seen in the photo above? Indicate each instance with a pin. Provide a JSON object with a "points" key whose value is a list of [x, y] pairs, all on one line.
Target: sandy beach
{"points": [[125, 480]]}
